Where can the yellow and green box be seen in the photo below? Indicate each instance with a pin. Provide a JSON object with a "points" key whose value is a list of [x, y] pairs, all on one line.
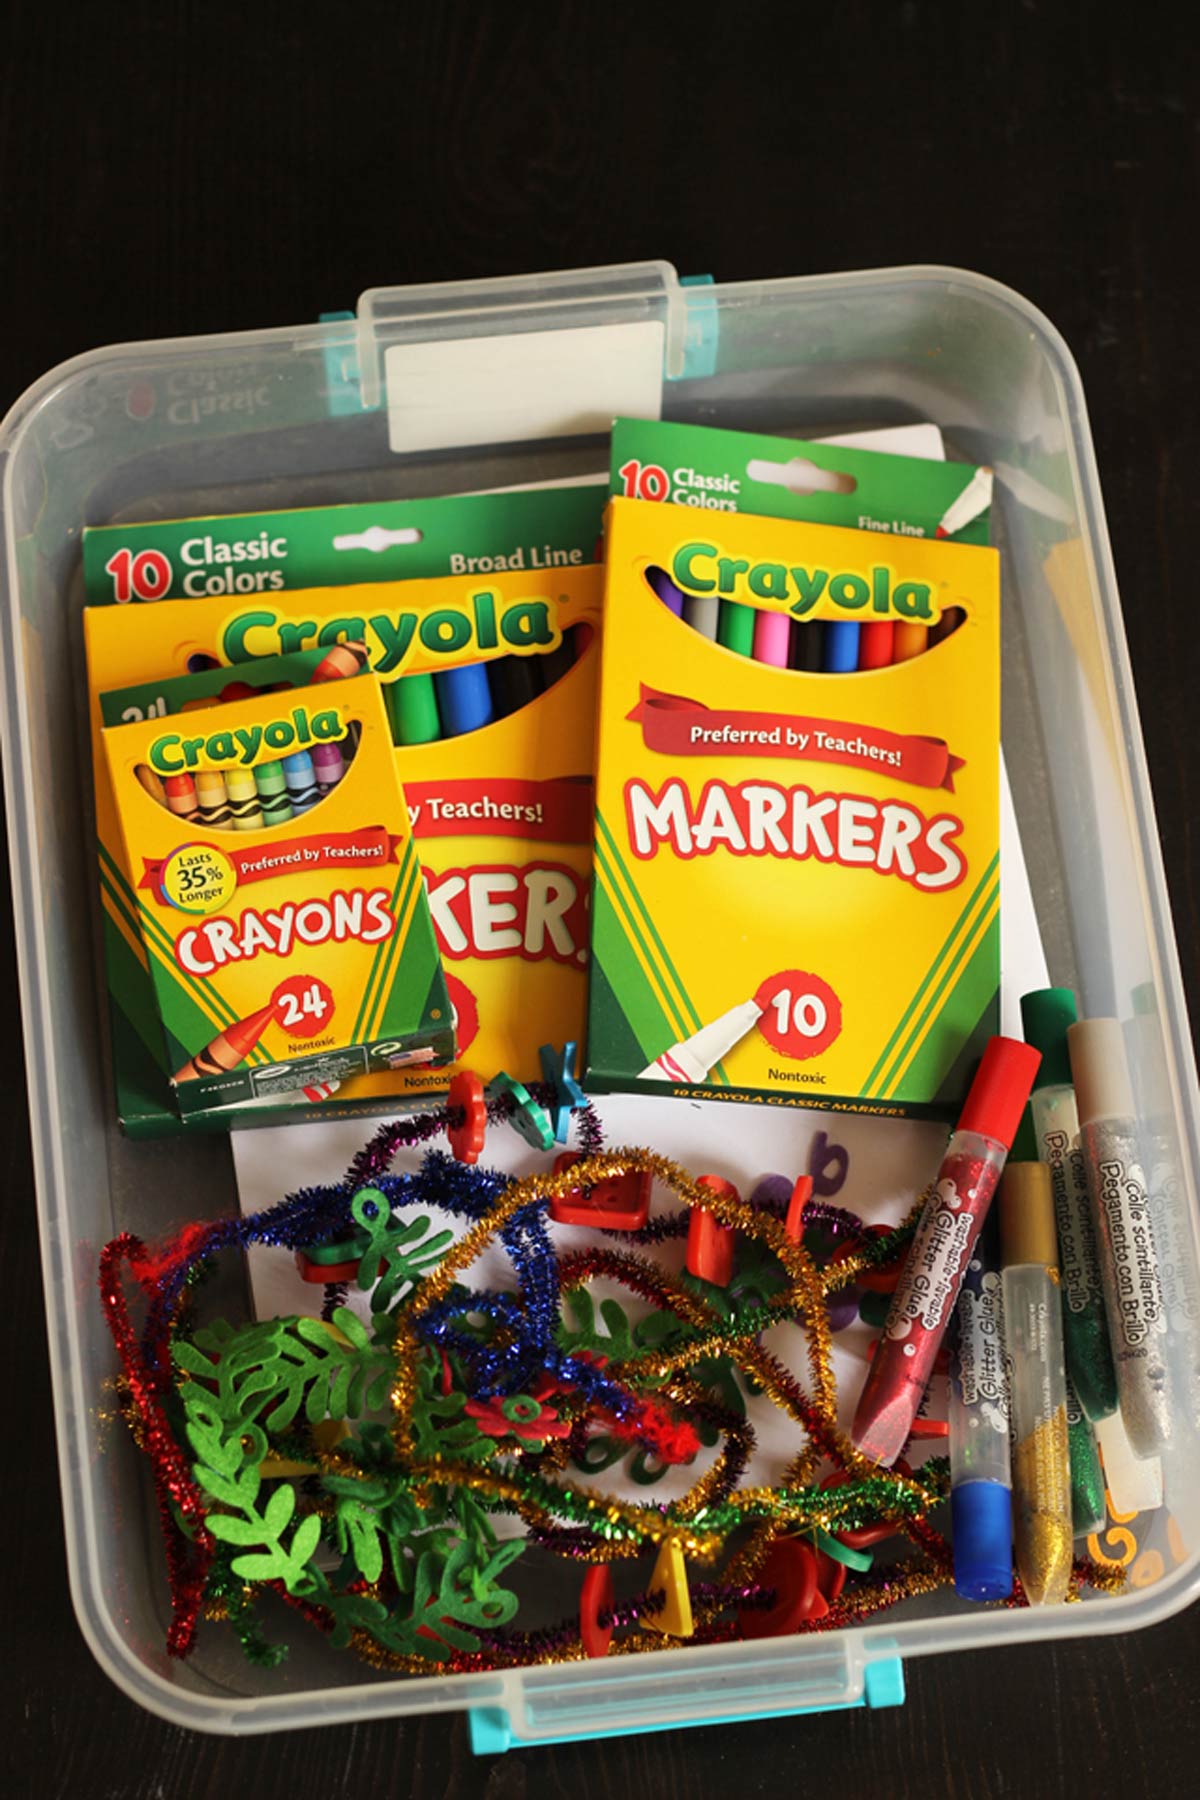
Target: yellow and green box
{"points": [[502, 815], [797, 880], [289, 945]]}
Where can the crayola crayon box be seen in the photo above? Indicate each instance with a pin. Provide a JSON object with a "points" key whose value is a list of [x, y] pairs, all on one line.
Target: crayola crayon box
{"points": [[797, 873], [278, 891], [501, 812]]}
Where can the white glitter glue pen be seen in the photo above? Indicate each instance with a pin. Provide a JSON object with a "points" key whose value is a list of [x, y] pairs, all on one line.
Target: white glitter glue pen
{"points": [[1133, 1299]]}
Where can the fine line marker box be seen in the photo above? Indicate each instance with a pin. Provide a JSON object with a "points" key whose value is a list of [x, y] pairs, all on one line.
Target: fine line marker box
{"points": [[285, 920], [712, 470], [797, 874]]}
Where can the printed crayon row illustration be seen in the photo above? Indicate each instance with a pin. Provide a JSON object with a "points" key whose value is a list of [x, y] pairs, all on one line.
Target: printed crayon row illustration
{"points": [[250, 799], [826, 647], [423, 709], [426, 708]]}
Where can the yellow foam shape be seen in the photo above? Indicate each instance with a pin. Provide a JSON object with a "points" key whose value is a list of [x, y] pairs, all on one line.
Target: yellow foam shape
{"points": [[670, 1572]]}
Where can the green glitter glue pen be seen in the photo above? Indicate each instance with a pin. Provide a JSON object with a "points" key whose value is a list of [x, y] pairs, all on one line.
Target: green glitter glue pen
{"points": [[1046, 1015], [1088, 1507]]}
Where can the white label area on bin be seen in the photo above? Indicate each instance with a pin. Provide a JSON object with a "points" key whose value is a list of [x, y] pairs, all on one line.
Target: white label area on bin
{"points": [[532, 384]]}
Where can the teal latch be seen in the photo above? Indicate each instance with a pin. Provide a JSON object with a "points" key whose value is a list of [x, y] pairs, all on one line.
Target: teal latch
{"points": [[491, 1733], [343, 385], [700, 339]]}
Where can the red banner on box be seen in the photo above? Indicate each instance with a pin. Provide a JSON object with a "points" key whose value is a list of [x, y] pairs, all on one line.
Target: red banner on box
{"points": [[677, 726], [558, 811], [364, 849]]}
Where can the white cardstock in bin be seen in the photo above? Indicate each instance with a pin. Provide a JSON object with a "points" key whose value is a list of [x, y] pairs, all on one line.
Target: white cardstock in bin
{"points": [[889, 1162]]}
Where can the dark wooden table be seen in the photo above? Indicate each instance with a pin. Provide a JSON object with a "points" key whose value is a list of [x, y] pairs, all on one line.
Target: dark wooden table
{"points": [[170, 169]]}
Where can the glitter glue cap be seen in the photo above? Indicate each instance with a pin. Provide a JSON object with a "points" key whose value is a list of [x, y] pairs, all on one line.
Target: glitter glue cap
{"points": [[1028, 1233], [981, 1532], [1134, 1483], [1000, 1090], [1046, 1014], [1099, 1070]]}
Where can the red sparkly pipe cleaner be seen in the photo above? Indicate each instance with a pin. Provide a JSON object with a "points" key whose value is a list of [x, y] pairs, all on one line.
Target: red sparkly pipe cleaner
{"points": [[188, 1560]]}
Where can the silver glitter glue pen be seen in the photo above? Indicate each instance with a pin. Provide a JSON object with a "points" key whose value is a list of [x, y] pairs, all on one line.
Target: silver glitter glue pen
{"points": [[1133, 1298]]}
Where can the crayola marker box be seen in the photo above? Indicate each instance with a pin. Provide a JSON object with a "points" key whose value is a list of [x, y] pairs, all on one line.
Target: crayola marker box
{"points": [[797, 874], [279, 892], [782, 478], [238, 554], [501, 814]]}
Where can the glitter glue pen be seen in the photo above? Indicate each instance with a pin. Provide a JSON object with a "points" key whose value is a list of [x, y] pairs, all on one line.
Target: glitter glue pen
{"points": [[694, 1057], [980, 1492], [1088, 1510], [1178, 1268], [1121, 1208], [941, 1249], [1042, 1519], [1046, 1016]]}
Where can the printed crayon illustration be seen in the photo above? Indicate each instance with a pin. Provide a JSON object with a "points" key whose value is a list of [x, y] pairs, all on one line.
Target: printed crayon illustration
{"points": [[229, 1048]]}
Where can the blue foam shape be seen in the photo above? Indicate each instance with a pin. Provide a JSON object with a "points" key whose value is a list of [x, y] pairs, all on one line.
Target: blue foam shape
{"points": [[556, 1073]]}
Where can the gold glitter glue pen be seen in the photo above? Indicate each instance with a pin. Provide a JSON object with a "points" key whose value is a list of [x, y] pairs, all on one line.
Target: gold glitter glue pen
{"points": [[1137, 1324], [1042, 1523]]}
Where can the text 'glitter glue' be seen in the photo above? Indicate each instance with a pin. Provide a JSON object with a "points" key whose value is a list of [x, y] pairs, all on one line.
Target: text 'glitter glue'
{"points": [[1042, 1520], [1128, 1255], [937, 1260]]}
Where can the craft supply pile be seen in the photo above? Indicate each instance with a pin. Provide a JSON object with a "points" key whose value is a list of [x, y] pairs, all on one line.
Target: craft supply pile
{"points": [[457, 817]]}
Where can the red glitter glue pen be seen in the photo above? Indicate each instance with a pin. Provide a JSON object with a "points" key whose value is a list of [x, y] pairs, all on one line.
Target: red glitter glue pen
{"points": [[938, 1256]]}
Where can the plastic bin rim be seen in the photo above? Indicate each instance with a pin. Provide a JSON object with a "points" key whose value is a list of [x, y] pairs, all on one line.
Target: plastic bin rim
{"points": [[25, 407], [266, 1713], [351, 1703]]}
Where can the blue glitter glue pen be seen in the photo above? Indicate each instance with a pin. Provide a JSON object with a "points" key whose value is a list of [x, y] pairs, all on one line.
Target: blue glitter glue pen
{"points": [[980, 1475]]}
